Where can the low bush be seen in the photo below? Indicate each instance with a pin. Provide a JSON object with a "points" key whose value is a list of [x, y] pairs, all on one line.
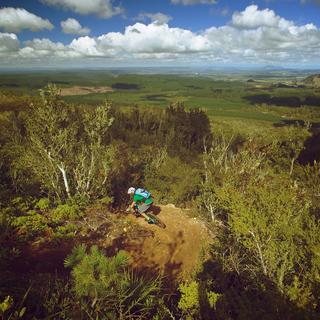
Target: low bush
{"points": [[43, 204], [172, 180], [107, 289], [30, 225], [65, 212]]}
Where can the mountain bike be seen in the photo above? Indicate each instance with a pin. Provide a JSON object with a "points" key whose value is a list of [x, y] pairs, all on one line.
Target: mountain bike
{"points": [[155, 220], [152, 219]]}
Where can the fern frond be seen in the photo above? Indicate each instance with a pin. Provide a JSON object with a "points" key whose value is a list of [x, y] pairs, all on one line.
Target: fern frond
{"points": [[75, 256], [141, 294]]}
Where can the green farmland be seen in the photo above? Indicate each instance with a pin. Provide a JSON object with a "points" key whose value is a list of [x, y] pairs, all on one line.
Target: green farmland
{"points": [[230, 97]]}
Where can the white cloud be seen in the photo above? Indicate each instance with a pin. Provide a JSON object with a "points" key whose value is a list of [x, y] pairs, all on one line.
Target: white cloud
{"points": [[45, 48], [191, 2], [158, 18], [266, 44], [153, 38], [44, 45], [15, 20], [246, 39], [72, 26], [86, 46], [9, 43], [252, 17], [101, 8]]}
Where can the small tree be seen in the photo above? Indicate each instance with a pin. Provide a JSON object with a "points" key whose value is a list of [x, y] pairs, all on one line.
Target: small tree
{"points": [[92, 165], [107, 290], [65, 146]]}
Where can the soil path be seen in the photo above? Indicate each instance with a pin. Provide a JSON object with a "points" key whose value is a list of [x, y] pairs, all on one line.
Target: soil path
{"points": [[173, 251]]}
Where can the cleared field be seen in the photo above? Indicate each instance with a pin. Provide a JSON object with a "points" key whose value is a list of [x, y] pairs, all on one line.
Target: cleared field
{"points": [[79, 91]]}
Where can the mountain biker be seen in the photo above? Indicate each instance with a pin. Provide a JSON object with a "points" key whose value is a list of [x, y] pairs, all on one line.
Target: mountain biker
{"points": [[142, 201]]}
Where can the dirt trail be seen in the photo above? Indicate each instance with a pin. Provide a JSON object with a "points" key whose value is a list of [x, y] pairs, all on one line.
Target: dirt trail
{"points": [[173, 251]]}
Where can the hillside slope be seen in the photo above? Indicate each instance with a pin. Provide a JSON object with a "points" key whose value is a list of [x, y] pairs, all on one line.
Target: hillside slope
{"points": [[173, 252], [313, 80]]}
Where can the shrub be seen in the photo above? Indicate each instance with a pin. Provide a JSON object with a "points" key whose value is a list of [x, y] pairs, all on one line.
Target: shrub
{"points": [[195, 297], [21, 204], [66, 212], [105, 201], [65, 231], [43, 204], [107, 290], [189, 301], [30, 225], [173, 181]]}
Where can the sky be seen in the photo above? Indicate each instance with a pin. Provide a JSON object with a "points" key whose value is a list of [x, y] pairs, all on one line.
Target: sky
{"points": [[111, 33]]}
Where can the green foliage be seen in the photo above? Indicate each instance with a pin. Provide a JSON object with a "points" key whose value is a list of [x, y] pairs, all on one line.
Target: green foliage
{"points": [[76, 256], [30, 224], [248, 183], [270, 218], [65, 231], [43, 204], [65, 148], [21, 204], [196, 299], [180, 130], [189, 301], [106, 201], [269, 232], [171, 180], [40, 296], [213, 298], [6, 304], [19, 223], [188, 129], [100, 272], [65, 212], [106, 289], [13, 101], [6, 312], [9, 309], [5, 224]]}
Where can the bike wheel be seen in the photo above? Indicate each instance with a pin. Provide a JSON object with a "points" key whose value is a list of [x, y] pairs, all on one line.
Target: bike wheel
{"points": [[156, 221]]}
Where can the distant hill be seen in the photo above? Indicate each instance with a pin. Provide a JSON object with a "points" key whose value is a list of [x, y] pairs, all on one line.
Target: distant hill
{"points": [[313, 80]]}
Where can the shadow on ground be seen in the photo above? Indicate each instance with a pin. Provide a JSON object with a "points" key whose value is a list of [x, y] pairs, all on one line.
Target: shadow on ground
{"points": [[244, 297]]}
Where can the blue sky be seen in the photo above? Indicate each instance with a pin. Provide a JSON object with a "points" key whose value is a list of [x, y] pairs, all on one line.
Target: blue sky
{"points": [[40, 32]]}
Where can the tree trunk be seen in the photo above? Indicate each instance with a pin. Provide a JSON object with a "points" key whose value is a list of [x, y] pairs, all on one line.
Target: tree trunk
{"points": [[291, 167], [65, 180], [264, 267]]}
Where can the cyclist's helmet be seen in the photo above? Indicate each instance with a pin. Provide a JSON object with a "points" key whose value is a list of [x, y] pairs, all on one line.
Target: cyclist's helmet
{"points": [[131, 190]]}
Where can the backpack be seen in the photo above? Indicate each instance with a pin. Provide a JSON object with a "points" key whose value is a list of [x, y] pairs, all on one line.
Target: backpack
{"points": [[143, 193]]}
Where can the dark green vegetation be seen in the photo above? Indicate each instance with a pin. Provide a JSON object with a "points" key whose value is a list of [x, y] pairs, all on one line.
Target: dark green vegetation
{"points": [[255, 183], [231, 98]]}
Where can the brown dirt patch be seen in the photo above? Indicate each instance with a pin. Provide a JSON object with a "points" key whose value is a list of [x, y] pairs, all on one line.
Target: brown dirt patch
{"points": [[79, 90], [173, 252]]}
